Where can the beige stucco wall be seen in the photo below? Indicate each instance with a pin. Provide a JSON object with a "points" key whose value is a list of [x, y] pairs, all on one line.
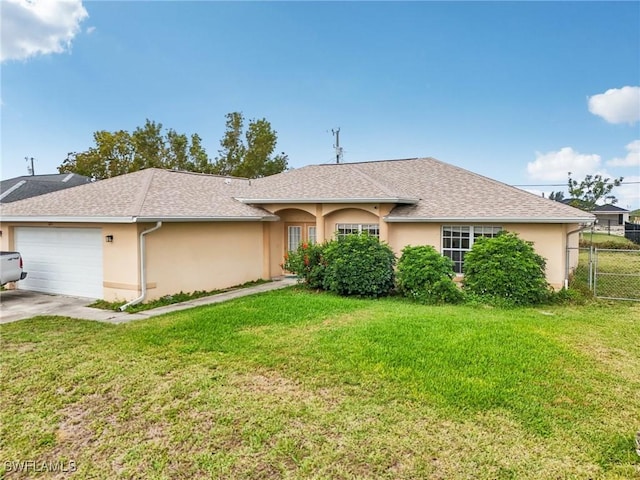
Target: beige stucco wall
{"points": [[207, 256], [203, 256], [324, 216], [121, 273], [549, 241], [180, 256], [120, 279], [4, 238]]}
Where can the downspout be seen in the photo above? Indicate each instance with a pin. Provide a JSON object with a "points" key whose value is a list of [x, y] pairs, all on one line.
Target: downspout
{"points": [[566, 269], [143, 273]]}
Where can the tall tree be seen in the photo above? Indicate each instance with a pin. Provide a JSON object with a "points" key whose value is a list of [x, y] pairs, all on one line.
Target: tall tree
{"points": [[556, 196], [116, 153], [244, 155], [249, 154], [592, 189]]}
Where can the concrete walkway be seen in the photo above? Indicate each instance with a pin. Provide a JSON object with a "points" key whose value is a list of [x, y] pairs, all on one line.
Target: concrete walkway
{"points": [[21, 304]]}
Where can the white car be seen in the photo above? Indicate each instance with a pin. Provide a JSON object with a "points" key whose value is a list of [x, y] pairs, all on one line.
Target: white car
{"points": [[11, 267]]}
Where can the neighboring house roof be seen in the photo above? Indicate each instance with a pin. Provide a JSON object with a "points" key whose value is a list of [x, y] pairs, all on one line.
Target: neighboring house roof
{"points": [[28, 186], [424, 190], [608, 209], [427, 190], [147, 195]]}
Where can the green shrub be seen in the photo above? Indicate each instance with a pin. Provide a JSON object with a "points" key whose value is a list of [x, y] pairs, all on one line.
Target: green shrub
{"points": [[505, 270], [426, 276], [307, 263], [570, 296], [359, 265]]}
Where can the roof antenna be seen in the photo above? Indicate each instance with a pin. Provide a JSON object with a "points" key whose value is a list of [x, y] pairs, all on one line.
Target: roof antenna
{"points": [[336, 133], [30, 169]]}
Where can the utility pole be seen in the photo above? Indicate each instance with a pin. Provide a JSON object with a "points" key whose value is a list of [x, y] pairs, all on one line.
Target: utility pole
{"points": [[336, 133], [30, 169]]}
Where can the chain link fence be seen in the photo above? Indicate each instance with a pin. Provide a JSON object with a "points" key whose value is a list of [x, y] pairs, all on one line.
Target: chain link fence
{"points": [[608, 273]]}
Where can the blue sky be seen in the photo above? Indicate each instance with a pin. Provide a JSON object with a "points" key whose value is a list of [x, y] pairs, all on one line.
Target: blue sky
{"points": [[520, 92]]}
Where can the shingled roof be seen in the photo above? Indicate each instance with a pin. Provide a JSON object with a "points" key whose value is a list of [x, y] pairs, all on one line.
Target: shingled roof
{"points": [[148, 195], [608, 208], [19, 188], [423, 190]]}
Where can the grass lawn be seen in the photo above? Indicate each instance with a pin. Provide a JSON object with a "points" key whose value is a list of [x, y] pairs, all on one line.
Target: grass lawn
{"points": [[618, 273], [597, 238], [291, 384]]}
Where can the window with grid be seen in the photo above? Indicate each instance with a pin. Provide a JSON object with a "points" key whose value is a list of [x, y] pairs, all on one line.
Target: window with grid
{"points": [[294, 237], [343, 229], [458, 240], [311, 235]]}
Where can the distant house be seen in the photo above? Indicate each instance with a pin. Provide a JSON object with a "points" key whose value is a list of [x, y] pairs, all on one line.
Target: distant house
{"points": [[157, 232], [28, 186], [610, 215], [607, 216]]}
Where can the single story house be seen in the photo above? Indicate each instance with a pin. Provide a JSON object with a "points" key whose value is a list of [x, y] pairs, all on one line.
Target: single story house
{"points": [[610, 216], [27, 186], [157, 232]]}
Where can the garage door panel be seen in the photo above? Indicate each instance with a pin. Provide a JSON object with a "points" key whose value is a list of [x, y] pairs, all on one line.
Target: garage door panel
{"points": [[61, 260]]}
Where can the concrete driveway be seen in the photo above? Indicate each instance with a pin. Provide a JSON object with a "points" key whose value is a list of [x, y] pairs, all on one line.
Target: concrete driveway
{"points": [[21, 304]]}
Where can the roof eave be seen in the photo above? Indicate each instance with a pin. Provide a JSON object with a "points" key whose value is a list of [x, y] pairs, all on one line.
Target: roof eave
{"points": [[402, 200], [251, 218], [392, 219], [68, 219], [64, 219]]}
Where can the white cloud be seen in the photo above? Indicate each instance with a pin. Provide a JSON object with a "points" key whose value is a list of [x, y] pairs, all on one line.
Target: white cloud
{"points": [[628, 194], [90, 30], [617, 105], [554, 166], [631, 160], [39, 27]]}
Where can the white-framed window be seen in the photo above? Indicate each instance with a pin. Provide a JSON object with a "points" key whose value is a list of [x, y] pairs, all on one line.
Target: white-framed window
{"points": [[294, 237], [311, 234], [343, 229], [458, 240]]}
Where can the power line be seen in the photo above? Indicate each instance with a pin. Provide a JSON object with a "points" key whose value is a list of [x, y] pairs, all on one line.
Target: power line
{"points": [[563, 184]]}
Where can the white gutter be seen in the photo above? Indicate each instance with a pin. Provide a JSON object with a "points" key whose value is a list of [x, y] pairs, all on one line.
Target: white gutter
{"points": [[410, 201], [255, 218], [143, 272], [83, 219], [389, 219], [566, 269], [65, 219]]}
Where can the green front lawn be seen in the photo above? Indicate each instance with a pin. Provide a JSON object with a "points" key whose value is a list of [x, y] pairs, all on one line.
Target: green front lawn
{"points": [[600, 238], [302, 385]]}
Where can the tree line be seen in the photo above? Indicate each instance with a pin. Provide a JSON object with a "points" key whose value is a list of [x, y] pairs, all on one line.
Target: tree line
{"points": [[242, 153]]}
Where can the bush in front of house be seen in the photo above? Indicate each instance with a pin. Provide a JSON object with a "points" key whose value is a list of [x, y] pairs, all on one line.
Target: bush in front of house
{"points": [[505, 270], [426, 276], [307, 263], [359, 265]]}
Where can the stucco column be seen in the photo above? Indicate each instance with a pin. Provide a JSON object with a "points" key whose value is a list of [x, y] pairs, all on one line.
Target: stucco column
{"points": [[319, 224], [266, 250]]}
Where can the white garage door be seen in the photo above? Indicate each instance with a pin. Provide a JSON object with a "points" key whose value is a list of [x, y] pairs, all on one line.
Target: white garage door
{"points": [[66, 261]]}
